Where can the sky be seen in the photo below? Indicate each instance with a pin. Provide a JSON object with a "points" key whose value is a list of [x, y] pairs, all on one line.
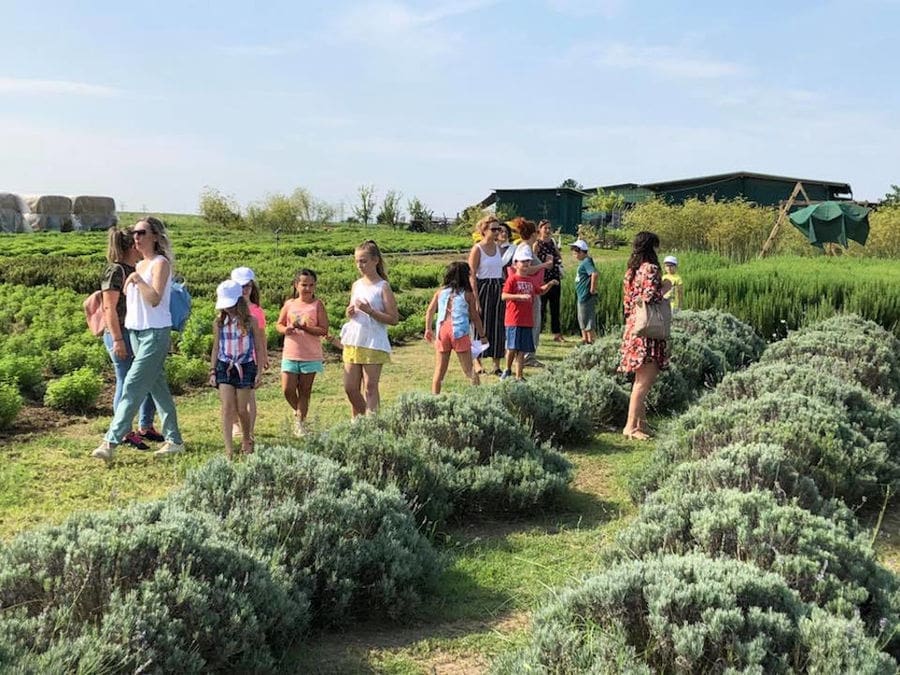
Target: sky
{"points": [[442, 100]]}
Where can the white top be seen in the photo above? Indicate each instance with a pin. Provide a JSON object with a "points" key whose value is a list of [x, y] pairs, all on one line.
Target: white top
{"points": [[489, 266], [361, 330], [140, 314]]}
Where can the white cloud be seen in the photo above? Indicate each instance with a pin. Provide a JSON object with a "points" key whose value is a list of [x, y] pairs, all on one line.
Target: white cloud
{"points": [[30, 86], [666, 61]]}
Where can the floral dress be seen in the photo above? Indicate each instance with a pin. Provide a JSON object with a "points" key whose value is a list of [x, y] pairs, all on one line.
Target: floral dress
{"points": [[636, 351]]}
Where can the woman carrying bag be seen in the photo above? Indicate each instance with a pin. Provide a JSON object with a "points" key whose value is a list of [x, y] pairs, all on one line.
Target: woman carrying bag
{"points": [[643, 356]]}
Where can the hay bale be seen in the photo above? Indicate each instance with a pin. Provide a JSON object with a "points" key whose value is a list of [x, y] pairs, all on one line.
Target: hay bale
{"points": [[49, 213], [12, 213], [93, 213]]}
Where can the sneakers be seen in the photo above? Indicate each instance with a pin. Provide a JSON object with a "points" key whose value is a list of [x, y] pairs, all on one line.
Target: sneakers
{"points": [[135, 440], [506, 374], [299, 428], [151, 434], [104, 451], [236, 430], [532, 361], [169, 448]]}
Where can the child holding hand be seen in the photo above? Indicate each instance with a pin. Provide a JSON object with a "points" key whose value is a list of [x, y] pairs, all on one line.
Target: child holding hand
{"points": [[455, 305], [303, 322], [519, 292], [234, 368]]}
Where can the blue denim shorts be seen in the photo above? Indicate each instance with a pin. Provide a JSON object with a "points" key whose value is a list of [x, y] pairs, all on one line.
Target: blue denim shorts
{"points": [[245, 379]]}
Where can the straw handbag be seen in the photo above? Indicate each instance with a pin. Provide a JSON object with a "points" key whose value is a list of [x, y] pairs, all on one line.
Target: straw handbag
{"points": [[652, 320]]}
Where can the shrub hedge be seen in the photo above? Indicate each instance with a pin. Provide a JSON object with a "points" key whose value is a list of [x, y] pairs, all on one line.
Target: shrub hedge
{"points": [[10, 403], [76, 392], [689, 613]]}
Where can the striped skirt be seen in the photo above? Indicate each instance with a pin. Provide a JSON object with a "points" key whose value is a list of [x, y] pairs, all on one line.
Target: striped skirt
{"points": [[493, 310]]}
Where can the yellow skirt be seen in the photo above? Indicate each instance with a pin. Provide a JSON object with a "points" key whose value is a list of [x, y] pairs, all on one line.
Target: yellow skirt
{"points": [[365, 356]]}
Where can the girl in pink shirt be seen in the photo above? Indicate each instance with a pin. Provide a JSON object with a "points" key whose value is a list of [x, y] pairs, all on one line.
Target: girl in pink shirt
{"points": [[303, 322]]}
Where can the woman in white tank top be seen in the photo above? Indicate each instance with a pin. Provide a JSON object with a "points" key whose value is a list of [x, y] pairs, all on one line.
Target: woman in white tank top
{"points": [[486, 263], [147, 317]]}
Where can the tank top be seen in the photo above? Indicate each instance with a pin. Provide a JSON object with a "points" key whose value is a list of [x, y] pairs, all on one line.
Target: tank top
{"points": [[361, 330], [301, 346], [490, 266], [140, 314]]}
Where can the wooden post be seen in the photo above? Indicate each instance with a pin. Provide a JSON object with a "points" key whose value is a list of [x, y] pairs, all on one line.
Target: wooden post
{"points": [[783, 213]]}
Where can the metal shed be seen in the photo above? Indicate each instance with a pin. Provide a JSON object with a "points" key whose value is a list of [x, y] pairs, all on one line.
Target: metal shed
{"points": [[760, 188], [561, 206]]}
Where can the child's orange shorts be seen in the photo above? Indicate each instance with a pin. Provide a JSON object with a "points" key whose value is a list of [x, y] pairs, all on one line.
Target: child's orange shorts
{"points": [[447, 343]]}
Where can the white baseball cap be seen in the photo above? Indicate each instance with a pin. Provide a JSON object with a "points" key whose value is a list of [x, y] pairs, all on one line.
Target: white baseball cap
{"points": [[228, 293], [242, 275], [580, 244], [670, 260], [523, 252]]}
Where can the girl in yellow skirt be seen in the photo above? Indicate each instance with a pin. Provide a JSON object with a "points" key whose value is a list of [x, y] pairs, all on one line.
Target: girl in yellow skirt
{"points": [[364, 337]]}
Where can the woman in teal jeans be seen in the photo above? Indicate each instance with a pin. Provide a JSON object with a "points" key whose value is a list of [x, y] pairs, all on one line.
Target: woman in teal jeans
{"points": [[149, 323]]}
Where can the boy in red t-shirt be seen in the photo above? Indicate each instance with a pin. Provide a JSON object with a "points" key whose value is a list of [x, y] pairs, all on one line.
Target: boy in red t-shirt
{"points": [[519, 292]]}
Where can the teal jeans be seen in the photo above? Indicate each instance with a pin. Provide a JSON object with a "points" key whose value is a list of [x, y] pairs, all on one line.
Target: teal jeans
{"points": [[147, 375]]}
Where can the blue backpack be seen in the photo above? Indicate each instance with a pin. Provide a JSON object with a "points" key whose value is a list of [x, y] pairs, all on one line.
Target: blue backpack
{"points": [[179, 305]]}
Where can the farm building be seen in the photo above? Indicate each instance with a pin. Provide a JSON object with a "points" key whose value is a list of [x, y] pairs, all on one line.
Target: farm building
{"points": [[762, 189], [561, 206]]}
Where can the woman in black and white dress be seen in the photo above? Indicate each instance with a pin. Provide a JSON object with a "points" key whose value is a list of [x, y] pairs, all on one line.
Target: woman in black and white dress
{"points": [[486, 263]]}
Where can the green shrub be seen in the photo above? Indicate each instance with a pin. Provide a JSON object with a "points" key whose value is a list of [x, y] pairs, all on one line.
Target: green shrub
{"points": [[144, 589], [195, 341], [183, 371], [756, 466], [689, 614], [871, 352], [830, 565], [25, 372], [10, 404], [738, 343], [498, 465], [73, 355], [75, 392], [820, 439], [345, 545]]}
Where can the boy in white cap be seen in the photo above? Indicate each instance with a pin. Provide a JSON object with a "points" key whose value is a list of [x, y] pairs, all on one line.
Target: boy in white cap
{"points": [[675, 295], [519, 292], [585, 290]]}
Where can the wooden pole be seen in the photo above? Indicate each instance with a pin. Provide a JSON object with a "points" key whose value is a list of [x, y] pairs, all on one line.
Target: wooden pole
{"points": [[783, 213]]}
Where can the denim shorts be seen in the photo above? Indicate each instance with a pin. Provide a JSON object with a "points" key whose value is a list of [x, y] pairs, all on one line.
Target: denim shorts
{"points": [[243, 379], [520, 339]]}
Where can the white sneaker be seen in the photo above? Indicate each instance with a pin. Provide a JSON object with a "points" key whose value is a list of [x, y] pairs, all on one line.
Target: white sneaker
{"points": [[169, 448], [299, 428], [105, 451], [236, 430]]}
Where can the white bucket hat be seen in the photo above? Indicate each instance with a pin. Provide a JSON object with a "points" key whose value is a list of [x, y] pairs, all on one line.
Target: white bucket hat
{"points": [[580, 244], [228, 293], [670, 260]]}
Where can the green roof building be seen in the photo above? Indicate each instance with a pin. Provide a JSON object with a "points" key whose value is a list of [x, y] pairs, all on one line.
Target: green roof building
{"points": [[561, 206]]}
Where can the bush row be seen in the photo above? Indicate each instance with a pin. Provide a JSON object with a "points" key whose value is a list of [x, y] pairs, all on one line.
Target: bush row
{"points": [[745, 555], [225, 574]]}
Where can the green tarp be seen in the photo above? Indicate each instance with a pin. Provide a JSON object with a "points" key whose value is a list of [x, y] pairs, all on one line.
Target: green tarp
{"points": [[832, 222]]}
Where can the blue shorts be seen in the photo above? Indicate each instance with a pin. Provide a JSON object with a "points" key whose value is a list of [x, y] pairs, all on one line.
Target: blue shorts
{"points": [[520, 339], [230, 376], [301, 367]]}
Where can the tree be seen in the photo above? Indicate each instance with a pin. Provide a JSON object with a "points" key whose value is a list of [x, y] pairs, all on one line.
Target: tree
{"points": [[605, 201], [366, 207], [892, 198], [418, 212], [390, 213], [571, 183], [218, 208]]}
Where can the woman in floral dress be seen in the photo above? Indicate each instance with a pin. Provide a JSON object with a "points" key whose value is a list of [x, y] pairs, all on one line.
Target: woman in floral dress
{"points": [[645, 357]]}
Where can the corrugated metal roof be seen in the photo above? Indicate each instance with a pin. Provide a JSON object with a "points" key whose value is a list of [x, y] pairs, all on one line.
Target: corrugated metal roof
{"points": [[720, 177]]}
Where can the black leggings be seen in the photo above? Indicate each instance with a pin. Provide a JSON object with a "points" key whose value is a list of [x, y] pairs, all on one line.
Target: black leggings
{"points": [[551, 297]]}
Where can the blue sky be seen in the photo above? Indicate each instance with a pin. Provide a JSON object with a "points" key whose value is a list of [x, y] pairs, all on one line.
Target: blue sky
{"points": [[149, 102]]}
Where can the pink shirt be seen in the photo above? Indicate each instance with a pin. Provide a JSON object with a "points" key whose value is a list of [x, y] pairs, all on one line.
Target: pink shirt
{"points": [[301, 346]]}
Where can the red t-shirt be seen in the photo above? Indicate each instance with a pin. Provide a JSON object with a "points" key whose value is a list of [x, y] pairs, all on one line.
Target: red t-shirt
{"points": [[520, 313]]}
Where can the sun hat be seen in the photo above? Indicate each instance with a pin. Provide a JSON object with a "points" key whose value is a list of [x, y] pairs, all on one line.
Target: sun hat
{"points": [[228, 293], [523, 252], [580, 244], [242, 275], [670, 260]]}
